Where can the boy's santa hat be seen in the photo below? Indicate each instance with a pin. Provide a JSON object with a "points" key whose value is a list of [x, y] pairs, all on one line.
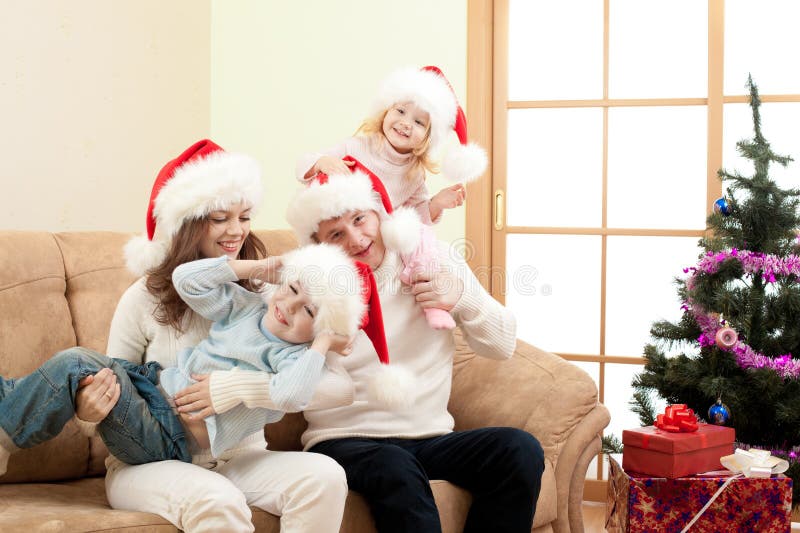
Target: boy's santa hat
{"points": [[430, 90], [346, 298], [203, 179], [326, 197]]}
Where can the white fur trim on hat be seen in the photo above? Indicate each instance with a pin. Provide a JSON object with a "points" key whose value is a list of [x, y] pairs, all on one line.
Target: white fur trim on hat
{"points": [[331, 280], [142, 254], [464, 163], [390, 387], [199, 187], [400, 232], [426, 89], [319, 202]]}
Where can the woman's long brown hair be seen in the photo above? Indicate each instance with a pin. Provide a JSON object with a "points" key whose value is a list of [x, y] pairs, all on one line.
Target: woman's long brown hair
{"points": [[185, 247]]}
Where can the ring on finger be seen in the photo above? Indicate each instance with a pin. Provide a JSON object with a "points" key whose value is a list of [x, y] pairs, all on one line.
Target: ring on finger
{"points": [[108, 393]]}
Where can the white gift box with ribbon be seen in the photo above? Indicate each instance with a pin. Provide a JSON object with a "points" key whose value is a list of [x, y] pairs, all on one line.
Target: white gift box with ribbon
{"points": [[755, 463]]}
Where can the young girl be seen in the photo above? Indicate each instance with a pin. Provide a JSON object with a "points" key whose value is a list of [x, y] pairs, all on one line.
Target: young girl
{"points": [[200, 207], [412, 115], [317, 307]]}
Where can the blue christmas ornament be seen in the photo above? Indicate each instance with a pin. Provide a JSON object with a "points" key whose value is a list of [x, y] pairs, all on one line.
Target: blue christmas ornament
{"points": [[721, 206], [719, 413]]}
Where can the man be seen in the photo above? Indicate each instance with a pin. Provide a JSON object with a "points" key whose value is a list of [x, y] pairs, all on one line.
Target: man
{"points": [[389, 454]]}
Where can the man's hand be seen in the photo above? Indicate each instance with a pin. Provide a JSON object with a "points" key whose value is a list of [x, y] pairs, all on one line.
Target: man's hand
{"points": [[440, 290]]}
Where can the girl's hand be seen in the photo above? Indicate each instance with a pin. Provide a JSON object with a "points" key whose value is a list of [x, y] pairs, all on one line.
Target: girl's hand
{"points": [[331, 165], [447, 198], [196, 397], [329, 341], [440, 290], [97, 395]]}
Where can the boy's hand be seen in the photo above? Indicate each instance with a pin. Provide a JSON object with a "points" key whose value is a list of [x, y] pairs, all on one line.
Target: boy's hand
{"points": [[331, 165], [329, 341], [269, 270]]}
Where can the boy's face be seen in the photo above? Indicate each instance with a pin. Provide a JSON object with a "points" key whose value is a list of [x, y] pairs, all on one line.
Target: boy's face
{"points": [[290, 314]]}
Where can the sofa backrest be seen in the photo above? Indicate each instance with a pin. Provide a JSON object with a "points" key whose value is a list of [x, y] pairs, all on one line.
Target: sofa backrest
{"points": [[58, 291]]}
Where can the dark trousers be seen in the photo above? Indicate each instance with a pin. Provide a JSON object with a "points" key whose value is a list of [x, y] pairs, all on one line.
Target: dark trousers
{"points": [[501, 467]]}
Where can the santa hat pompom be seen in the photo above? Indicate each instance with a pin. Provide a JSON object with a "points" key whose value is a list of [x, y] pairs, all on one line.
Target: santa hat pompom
{"points": [[142, 254], [390, 387], [400, 232], [464, 163]]}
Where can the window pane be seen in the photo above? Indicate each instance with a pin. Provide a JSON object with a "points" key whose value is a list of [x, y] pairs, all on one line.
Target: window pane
{"points": [[618, 393], [555, 50], [762, 38], [657, 167], [658, 49], [640, 287], [553, 287], [778, 125], [555, 167]]}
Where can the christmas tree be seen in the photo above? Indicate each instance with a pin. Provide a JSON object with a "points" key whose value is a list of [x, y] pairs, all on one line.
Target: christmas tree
{"points": [[738, 339]]}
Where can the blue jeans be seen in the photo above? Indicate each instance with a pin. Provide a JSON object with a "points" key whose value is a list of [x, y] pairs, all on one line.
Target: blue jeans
{"points": [[141, 428], [501, 467]]}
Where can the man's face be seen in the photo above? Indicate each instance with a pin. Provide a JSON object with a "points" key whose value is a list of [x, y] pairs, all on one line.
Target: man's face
{"points": [[358, 233]]}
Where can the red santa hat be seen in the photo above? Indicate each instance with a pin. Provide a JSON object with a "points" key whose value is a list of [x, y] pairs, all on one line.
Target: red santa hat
{"points": [[346, 297], [203, 179], [430, 90], [326, 197]]}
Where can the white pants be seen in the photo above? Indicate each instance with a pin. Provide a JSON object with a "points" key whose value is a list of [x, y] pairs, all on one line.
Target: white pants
{"points": [[306, 490]]}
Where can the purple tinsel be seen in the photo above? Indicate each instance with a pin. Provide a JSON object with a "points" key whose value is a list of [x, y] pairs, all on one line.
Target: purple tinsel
{"points": [[753, 263]]}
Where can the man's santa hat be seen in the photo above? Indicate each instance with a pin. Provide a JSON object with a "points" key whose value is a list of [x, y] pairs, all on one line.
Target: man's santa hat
{"points": [[203, 179], [346, 299], [326, 197], [430, 90]]}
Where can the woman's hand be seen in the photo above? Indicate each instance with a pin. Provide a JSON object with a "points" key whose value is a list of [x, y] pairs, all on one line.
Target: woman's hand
{"points": [[331, 165], [196, 398], [440, 290], [97, 395]]}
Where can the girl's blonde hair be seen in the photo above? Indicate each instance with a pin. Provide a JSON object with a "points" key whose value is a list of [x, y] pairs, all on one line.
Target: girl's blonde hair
{"points": [[372, 128]]}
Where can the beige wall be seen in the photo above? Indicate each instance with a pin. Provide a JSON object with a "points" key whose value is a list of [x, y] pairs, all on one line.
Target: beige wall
{"points": [[96, 95], [93, 95]]}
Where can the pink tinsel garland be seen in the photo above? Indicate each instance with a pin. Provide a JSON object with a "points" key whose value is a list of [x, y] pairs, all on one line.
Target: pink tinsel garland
{"points": [[753, 263]]}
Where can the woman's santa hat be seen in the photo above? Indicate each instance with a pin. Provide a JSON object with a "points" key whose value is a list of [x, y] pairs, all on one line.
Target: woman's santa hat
{"points": [[346, 298], [430, 90], [203, 179], [326, 197]]}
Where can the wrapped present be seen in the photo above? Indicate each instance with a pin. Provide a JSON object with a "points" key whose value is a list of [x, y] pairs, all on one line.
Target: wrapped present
{"points": [[659, 453], [638, 503]]}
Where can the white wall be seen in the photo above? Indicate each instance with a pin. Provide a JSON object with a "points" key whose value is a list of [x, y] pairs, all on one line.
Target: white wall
{"points": [[94, 97], [292, 77]]}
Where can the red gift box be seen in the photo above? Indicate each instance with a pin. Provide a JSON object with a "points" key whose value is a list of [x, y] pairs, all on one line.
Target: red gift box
{"points": [[658, 453], [638, 504]]}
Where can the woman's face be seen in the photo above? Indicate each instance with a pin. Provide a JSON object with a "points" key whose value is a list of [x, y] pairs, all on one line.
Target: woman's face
{"points": [[358, 233], [226, 231]]}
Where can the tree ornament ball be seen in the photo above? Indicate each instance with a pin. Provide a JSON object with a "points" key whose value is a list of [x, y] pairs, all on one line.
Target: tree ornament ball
{"points": [[726, 337], [719, 413], [722, 206]]}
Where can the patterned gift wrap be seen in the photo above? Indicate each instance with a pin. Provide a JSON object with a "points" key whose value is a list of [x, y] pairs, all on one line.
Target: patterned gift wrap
{"points": [[638, 503]]}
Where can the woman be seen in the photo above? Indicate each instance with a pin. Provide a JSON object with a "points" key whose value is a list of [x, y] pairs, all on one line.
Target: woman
{"points": [[200, 207]]}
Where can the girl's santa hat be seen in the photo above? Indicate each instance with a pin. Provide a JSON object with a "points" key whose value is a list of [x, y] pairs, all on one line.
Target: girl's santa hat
{"points": [[326, 197], [430, 90], [203, 179], [346, 298]]}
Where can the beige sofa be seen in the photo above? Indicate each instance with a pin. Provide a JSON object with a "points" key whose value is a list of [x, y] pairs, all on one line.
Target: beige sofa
{"points": [[60, 290]]}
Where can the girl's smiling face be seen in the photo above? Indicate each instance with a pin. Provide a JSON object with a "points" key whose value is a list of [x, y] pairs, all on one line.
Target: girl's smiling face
{"points": [[406, 126]]}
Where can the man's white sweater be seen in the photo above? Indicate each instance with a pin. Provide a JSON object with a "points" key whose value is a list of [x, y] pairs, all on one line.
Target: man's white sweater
{"points": [[489, 328]]}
